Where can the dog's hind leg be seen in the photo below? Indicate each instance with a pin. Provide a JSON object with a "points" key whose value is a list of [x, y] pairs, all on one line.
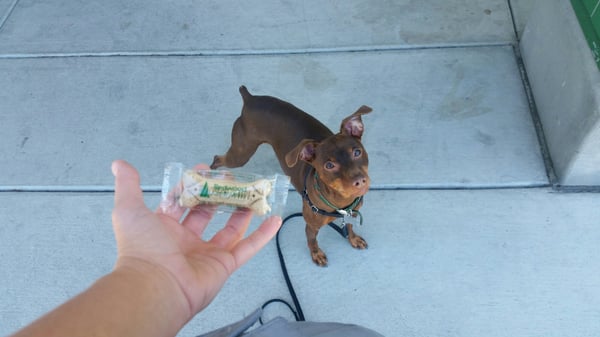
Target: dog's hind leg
{"points": [[243, 146]]}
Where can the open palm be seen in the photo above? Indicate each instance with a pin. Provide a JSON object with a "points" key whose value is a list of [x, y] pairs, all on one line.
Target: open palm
{"points": [[200, 268]]}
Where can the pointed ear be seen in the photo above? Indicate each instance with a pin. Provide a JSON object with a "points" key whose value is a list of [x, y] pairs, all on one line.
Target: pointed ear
{"points": [[304, 151], [353, 125]]}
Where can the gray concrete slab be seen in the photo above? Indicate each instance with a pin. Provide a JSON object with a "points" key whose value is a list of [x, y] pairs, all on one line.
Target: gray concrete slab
{"points": [[442, 117], [63, 26], [440, 263]]}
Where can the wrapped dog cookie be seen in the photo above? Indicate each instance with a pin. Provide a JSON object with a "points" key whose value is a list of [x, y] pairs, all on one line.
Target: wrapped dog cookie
{"points": [[229, 190]]}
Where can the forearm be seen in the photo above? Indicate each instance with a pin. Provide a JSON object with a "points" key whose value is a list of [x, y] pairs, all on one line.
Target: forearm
{"points": [[130, 301]]}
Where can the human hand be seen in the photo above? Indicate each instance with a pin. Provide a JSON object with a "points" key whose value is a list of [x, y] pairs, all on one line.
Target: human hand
{"points": [[156, 242]]}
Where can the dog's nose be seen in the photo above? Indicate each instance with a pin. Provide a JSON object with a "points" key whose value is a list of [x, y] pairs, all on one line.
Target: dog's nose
{"points": [[360, 182]]}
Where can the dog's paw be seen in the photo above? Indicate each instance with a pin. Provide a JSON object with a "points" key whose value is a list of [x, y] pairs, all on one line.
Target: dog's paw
{"points": [[358, 242], [319, 258]]}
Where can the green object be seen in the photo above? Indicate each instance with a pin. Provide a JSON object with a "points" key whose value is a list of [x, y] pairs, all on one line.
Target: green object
{"points": [[204, 193], [588, 14]]}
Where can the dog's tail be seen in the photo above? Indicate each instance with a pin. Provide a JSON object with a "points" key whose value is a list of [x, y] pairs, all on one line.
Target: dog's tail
{"points": [[245, 93]]}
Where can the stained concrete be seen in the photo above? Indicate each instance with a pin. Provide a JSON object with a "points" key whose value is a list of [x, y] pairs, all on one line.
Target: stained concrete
{"points": [[63, 26], [442, 117]]}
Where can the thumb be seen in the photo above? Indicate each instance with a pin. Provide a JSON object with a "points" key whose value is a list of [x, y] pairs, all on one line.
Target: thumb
{"points": [[128, 193]]}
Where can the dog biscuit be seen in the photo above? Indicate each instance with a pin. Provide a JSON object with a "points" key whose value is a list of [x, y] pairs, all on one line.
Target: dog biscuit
{"points": [[198, 189]]}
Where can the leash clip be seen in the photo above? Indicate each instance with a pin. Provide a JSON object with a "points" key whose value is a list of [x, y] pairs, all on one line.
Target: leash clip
{"points": [[345, 214], [315, 209]]}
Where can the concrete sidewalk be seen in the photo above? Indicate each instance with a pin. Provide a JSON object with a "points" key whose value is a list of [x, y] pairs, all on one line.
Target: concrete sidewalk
{"points": [[466, 236]]}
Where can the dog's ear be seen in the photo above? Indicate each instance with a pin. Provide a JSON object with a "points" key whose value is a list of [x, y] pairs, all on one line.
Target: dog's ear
{"points": [[304, 151], [353, 125]]}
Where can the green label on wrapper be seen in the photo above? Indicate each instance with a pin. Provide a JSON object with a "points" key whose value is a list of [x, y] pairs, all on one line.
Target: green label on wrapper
{"points": [[224, 191], [204, 193]]}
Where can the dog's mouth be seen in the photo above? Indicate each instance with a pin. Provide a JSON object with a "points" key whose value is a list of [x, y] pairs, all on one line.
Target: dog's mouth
{"points": [[350, 189]]}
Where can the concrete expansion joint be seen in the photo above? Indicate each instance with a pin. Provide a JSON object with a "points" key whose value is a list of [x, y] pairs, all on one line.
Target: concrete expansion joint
{"points": [[8, 13], [255, 52]]}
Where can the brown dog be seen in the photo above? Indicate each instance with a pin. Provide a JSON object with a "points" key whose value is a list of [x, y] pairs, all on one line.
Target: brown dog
{"points": [[329, 170]]}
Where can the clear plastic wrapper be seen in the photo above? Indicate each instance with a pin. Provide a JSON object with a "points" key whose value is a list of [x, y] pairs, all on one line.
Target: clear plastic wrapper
{"points": [[229, 190]]}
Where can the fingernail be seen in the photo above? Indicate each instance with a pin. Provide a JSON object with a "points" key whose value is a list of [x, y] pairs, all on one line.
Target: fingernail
{"points": [[114, 167]]}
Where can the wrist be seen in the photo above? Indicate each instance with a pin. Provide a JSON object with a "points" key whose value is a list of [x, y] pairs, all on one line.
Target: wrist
{"points": [[135, 299], [151, 285]]}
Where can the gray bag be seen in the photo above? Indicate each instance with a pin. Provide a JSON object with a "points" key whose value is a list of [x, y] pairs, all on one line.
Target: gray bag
{"points": [[279, 327]]}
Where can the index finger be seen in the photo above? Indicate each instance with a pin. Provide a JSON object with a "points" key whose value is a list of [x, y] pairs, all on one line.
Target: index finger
{"points": [[128, 193]]}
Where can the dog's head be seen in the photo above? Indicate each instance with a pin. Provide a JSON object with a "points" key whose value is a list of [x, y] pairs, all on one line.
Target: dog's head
{"points": [[340, 160]]}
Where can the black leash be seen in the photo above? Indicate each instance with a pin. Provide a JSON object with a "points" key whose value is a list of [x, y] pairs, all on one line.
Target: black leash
{"points": [[298, 314]]}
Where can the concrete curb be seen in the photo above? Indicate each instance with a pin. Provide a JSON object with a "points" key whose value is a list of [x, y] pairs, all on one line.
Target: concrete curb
{"points": [[566, 86]]}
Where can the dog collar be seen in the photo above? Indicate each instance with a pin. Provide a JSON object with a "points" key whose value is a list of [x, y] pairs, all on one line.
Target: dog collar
{"points": [[338, 212]]}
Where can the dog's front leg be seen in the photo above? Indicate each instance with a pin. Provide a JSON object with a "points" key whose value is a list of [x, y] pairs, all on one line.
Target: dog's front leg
{"points": [[356, 241], [317, 255]]}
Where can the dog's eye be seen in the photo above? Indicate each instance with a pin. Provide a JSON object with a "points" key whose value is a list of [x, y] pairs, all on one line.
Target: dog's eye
{"points": [[357, 152], [329, 165]]}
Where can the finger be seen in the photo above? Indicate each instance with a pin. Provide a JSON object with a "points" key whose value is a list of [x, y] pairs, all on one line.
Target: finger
{"points": [[251, 245], [128, 193], [198, 218], [234, 229], [201, 167], [170, 206]]}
